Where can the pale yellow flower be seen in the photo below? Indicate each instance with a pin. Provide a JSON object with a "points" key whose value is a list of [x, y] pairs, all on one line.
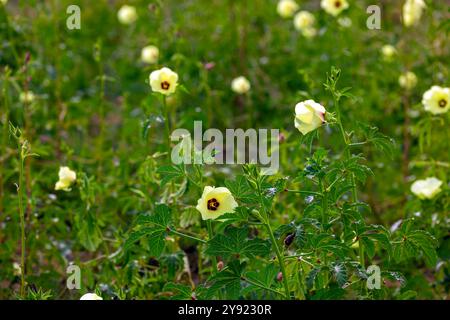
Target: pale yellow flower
{"points": [[408, 80], [17, 270], [91, 296], [150, 54], [436, 100], [388, 51], [345, 22], [127, 14], [304, 20], [215, 202], [334, 7], [164, 81], [240, 85], [426, 189], [309, 115], [412, 11], [66, 178], [287, 8], [27, 97]]}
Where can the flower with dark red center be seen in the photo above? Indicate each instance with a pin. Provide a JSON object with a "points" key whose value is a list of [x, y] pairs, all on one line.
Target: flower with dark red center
{"points": [[215, 202]]}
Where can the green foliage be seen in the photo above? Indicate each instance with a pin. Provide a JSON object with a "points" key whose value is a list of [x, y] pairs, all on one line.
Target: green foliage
{"points": [[235, 243], [152, 227], [340, 202], [411, 243]]}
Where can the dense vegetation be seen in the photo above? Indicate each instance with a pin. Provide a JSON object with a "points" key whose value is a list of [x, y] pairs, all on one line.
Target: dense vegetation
{"points": [[86, 178]]}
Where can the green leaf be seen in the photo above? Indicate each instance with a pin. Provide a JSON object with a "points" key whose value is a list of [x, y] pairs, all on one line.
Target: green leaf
{"points": [[169, 173], [190, 217], [161, 217], [360, 171], [308, 139], [368, 245], [229, 279], [174, 262], [381, 235], [327, 243], [240, 214], [311, 277], [235, 242], [264, 278], [178, 291], [156, 242], [340, 273], [328, 294], [241, 190], [414, 243], [393, 275], [152, 227], [407, 295], [379, 140], [136, 235], [89, 233]]}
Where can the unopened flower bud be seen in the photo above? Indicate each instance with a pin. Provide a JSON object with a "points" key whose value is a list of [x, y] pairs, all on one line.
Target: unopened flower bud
{"points": [[289, 239], [279, 277]]}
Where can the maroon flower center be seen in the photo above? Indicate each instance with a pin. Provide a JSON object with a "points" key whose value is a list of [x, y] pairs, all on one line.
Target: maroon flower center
{"points": [[213, 204], [337, 4], [165, 85], [442, 103]]}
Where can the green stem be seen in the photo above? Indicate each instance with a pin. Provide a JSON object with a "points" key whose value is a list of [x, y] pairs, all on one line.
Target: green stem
{"points": [[355, 144], [184, 235], [324, 204], [210, 235], [361, 255], [166, 123], [305, 192], [22, 223], [214, 259], [101, 137], [347, 143], [266, 221], [301, 286], [280, 260]]}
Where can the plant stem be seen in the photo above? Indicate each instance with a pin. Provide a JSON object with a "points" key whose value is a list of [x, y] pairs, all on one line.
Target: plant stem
{"points": [[22, 222], [280, 260], [210, 235], [361, 255], [184, 235], [101, 140], [266, 221], [166, 123], [214, 259], [406, 137], [305, 192], [324, 204], [28, 135], [347, 143]]}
